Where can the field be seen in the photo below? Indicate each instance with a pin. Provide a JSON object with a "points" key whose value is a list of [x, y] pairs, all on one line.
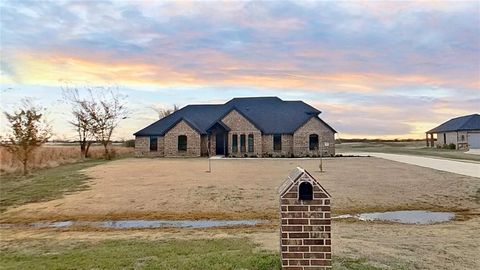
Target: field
{"points": [[409, 148], [49, 156], [246, 189]]}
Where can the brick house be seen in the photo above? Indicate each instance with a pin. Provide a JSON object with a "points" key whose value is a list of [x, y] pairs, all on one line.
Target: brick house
{"points": [[242, 127]]}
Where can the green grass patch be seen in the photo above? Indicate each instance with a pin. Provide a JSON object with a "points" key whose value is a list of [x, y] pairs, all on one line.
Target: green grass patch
{"points": [[405, 148], [218, 254], [352, 264], [43, 185], [205, 254]]}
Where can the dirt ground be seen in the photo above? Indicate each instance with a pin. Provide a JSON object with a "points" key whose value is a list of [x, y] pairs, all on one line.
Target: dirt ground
{"points": [[452, 245], [247, 188]]}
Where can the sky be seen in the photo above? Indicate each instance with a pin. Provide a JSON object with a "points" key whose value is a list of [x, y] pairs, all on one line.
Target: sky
{"points": [[375, 69]]}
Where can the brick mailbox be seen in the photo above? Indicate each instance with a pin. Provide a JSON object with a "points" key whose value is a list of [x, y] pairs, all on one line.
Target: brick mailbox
{"points": [[305, 223]]}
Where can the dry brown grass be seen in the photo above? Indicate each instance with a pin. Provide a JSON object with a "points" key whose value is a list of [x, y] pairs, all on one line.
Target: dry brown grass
{"points": [[239, 189], [49, 156], [245, 189]]}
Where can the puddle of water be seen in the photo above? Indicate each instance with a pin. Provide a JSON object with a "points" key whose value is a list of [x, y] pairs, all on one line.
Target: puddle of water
{"points": [[147, 224], [406, 217]]}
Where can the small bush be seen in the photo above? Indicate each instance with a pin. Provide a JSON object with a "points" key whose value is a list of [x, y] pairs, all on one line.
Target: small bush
{"points": [[451, 146]]}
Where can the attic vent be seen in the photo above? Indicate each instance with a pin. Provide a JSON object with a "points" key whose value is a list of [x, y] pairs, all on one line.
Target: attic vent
{"points": [[305, 191]]}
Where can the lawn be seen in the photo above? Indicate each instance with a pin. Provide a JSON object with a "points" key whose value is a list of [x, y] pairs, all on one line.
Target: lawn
{"points": [[221, 254], [247, 189], [43, 185], [235, 189], [408, 148]]}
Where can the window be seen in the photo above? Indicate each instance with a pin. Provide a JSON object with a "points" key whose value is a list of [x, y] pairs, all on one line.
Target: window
{"points": [[250, 143], [305, 191], [462, 137], [153, 143], [242, 143], [234, 143], [313, 142], [182, 143], [277, 142]]}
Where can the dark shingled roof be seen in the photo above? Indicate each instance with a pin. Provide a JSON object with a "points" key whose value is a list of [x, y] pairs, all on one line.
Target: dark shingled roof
{"points": [[269, 114], [467, 122]]}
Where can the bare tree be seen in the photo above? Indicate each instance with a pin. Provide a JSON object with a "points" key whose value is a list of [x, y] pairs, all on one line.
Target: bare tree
{"points": [[164, 112], [106, 108], [29, 130], [97, 114], [81, 118]]}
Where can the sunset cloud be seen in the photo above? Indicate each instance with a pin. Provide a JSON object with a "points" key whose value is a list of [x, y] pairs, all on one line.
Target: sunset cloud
{"points": [[374, 68]]}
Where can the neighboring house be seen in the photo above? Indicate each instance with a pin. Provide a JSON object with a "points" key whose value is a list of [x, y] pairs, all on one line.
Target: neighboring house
{"points": [[242, 127], [462, 131]]}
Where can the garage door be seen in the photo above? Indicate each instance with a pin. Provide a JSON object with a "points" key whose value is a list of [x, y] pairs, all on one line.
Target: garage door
{"points": [[474, 140]]}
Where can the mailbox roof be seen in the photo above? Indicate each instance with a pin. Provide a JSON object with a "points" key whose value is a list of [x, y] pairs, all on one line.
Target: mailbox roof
{"points": [[294, 177]]}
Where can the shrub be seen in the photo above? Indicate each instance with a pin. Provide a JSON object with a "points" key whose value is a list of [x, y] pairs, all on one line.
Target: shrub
{"points": [[449, 146]]}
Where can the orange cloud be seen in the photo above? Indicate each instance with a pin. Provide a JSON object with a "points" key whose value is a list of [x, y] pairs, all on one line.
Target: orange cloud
{"points": [[210, 68]]}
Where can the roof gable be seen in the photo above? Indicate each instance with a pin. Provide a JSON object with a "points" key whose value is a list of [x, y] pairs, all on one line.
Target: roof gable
{"points": [[320, 120], [467, 122], [250, 121]]}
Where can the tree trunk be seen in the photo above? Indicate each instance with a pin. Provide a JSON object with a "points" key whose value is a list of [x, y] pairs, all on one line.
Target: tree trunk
{"points": [[107, 154], [83, 148], [87, 155]]}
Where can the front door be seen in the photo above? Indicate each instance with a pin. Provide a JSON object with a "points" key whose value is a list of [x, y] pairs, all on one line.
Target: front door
{"points": [[220, 143]]}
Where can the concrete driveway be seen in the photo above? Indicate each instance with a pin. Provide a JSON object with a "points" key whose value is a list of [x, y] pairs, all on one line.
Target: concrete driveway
{"points": [[469, 168]]}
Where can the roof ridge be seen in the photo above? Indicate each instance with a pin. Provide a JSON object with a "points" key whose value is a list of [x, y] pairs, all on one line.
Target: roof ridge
{"points": [[465, 116]]}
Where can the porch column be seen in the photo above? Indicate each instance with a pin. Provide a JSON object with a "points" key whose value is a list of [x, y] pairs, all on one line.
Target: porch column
{"points": [[426, 139], [432, 140]]}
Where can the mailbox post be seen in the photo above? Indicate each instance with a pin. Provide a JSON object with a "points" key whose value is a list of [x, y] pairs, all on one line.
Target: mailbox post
{"points": [[305, 231]]}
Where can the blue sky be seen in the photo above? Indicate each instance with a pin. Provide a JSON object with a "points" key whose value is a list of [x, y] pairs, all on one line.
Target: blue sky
{"points": [[375, 69]]}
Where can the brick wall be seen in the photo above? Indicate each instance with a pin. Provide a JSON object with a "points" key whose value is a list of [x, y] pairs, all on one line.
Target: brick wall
{"points": [[142, 147], [287, 146], [240, 125], [204, 145], [296, 144], [301, 138], [171, 141], [305, 229]]}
